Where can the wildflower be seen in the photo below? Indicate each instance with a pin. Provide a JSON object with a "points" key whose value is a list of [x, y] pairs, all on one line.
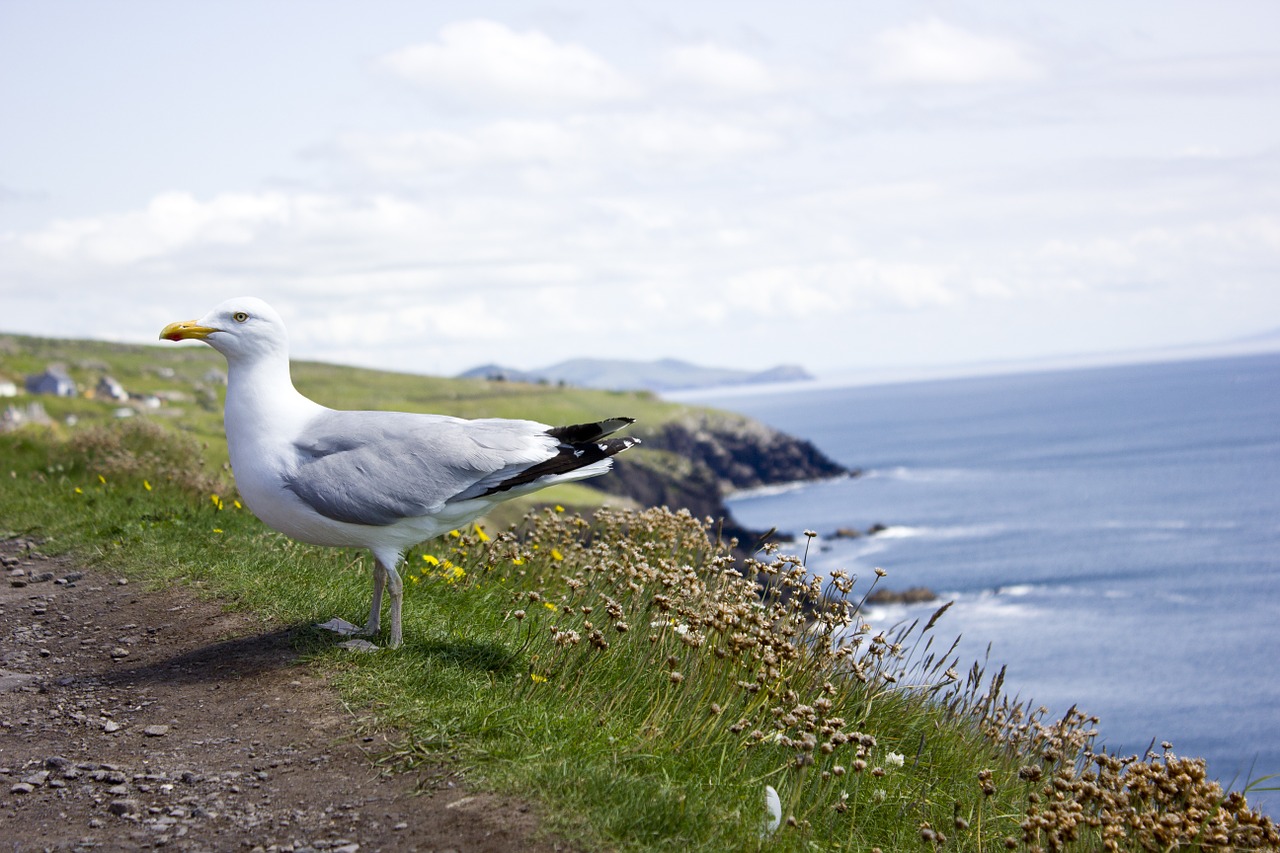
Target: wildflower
{"points": [[676, 677], [217, 530], [79, 491], [146, 485], [455, 534], [237, 504], [428, 558], [879, 795], [556, 555], [519, 614], [413, 578], [550, 606], [537, 679], [518, 561], [484, 537], [894, 759], [102, 479], [559, 508], [217, 501]]}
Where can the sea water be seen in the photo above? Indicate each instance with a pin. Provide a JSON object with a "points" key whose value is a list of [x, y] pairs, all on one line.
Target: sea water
{"points": [[1112, 534]]}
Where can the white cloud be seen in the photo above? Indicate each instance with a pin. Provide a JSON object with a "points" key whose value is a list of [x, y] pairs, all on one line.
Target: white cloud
{"points": [[553, 156], [488, 62], [169, 222], [933, 52], [719, 70]]}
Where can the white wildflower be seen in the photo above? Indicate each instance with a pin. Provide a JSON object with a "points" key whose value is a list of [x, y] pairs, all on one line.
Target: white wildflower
{"points": [[894, 759]]}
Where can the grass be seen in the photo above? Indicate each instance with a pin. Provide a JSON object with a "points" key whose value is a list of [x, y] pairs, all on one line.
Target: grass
{"points": [[631, 676]]}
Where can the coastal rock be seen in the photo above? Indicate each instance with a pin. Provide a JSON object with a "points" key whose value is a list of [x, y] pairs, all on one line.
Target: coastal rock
{"points": [[697, 462], [742, 453], [912, 595]]}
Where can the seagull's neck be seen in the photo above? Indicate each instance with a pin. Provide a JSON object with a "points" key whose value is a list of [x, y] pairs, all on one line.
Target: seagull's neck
{"points": [[262, 402]]}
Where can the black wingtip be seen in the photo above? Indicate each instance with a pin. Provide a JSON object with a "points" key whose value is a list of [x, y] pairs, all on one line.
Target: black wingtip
{"points": [[578, 433], [581, 445]]}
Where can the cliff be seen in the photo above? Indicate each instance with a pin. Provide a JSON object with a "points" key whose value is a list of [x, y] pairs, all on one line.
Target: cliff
{"points": [[698, 459]]}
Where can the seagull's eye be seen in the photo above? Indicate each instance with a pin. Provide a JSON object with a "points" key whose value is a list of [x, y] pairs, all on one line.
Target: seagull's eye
{"points": [[240, 316]]}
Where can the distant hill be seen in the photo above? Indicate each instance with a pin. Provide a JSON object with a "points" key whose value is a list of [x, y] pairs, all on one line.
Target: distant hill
{"points": [[666, 374]]}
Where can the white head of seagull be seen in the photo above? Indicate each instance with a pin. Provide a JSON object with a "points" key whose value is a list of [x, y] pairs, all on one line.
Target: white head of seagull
{"points": [[379, 480]]}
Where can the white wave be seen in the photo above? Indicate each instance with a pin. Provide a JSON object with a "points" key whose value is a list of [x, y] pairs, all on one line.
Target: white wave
{"points": [[918, 475], [770, 491], [953, 531]]}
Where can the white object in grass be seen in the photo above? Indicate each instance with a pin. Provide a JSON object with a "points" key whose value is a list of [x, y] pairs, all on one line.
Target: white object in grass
{"points": [[774, 806]]}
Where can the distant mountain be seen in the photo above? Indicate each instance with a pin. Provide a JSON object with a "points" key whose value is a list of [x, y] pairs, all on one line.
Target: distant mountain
{"points": [[666, 374]]}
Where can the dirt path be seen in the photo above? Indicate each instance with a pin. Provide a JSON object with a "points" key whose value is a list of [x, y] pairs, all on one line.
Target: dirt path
{"points": [[128, 720]]}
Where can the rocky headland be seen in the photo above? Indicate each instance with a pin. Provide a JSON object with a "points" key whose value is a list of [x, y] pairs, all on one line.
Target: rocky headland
{"points": [[696, 461]]}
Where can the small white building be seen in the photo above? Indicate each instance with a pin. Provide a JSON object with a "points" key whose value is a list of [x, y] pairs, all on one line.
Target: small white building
{"points": [[8, 388]]}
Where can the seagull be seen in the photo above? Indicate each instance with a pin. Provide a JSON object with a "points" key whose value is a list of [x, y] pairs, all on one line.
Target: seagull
{"points": [[384, 481]]}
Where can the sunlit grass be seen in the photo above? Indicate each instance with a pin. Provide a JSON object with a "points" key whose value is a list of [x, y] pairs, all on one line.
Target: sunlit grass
{"points": [[643, 683]]}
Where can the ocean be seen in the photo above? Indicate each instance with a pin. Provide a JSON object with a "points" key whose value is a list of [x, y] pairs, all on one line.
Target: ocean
{"points": [[1112, 533]]}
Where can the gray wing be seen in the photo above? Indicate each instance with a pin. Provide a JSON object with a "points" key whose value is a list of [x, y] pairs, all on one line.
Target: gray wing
{"points": [[376, 468]]}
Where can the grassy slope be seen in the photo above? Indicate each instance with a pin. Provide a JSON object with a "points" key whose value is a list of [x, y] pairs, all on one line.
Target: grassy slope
{"points": [[137, 369], [663, 735]]}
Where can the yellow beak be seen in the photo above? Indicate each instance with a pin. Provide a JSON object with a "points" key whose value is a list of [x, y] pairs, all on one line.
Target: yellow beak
{"points": [[185, 329]]}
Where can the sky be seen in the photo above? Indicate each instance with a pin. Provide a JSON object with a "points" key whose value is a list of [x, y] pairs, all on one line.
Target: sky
{"points": [[427, 187]]}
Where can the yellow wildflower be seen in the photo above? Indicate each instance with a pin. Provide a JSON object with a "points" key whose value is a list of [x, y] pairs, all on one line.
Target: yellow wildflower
{"points": [[455, 534], [484, 537], [79, 491], [537, 679], [217, 530], [556, 555], [102, 479], [550, 606], [146, 485], [428, 558], [559, 508]]}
